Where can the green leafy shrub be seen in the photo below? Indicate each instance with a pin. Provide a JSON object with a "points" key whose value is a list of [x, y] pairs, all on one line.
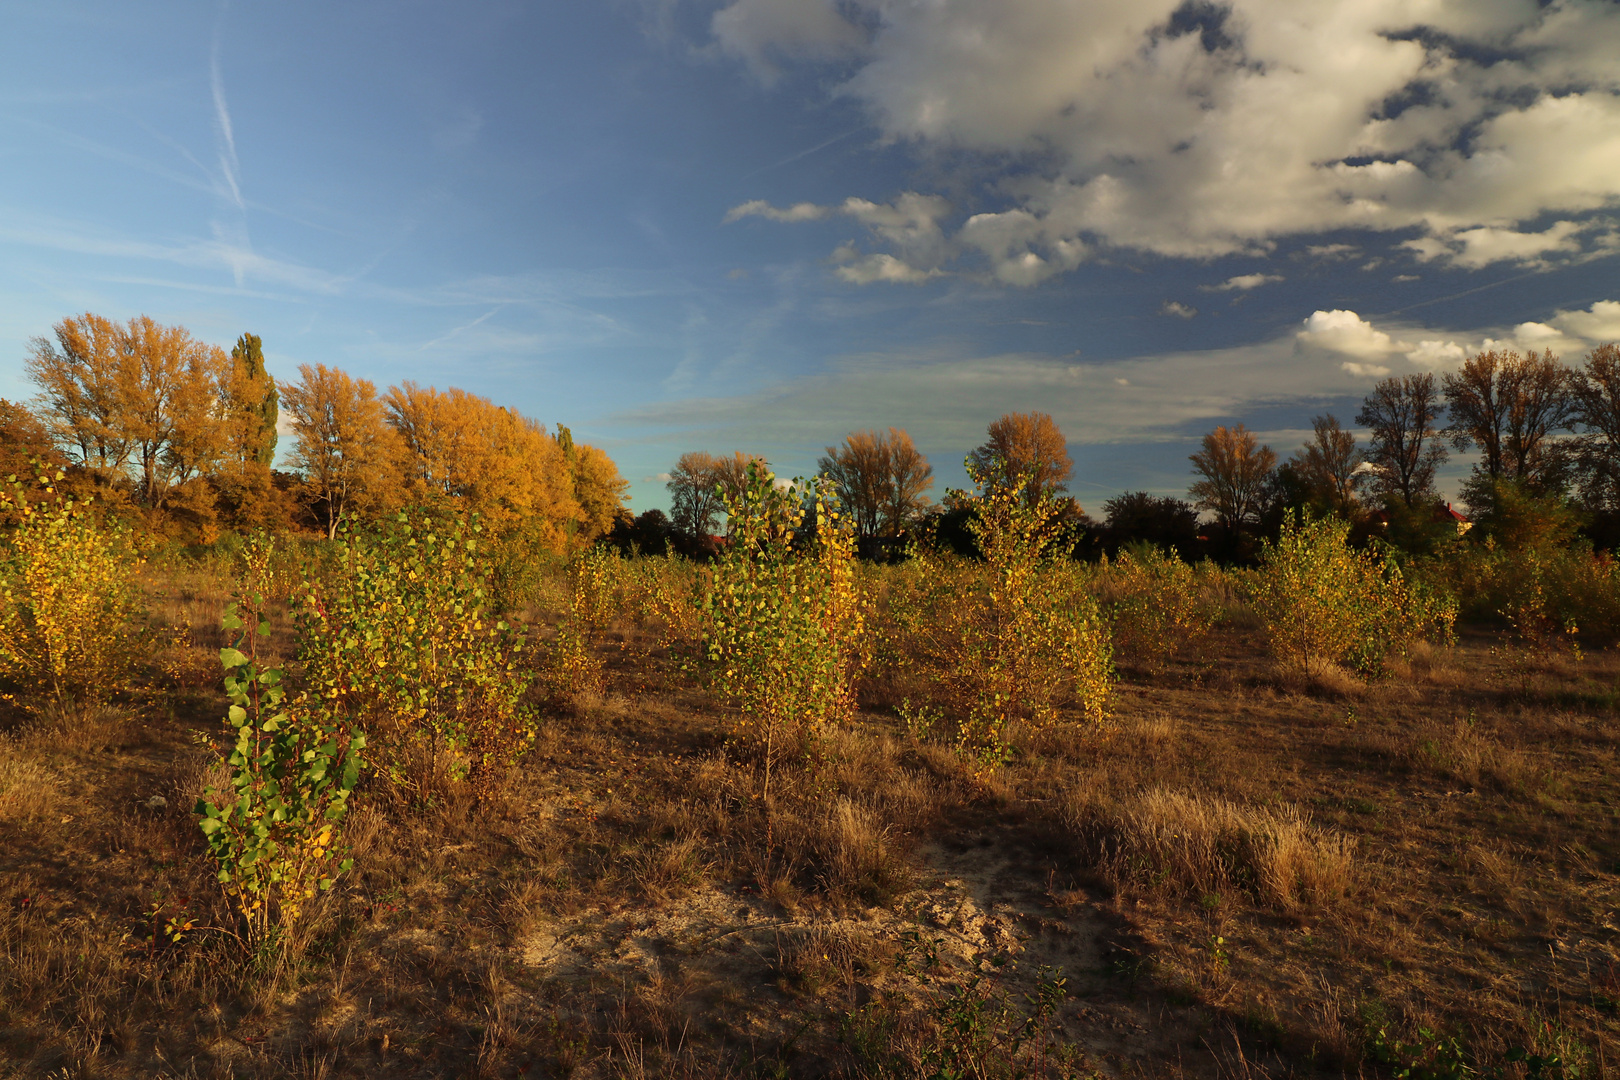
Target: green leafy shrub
{"points": [[572, 666], [1013, 638], [1157, 604], [293, 766], [69, 601], [1322, 602], [402, 637], [781, 623]]}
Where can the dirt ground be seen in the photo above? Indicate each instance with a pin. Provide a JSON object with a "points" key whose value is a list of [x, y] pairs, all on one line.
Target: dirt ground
{"points": [[633, 905]]}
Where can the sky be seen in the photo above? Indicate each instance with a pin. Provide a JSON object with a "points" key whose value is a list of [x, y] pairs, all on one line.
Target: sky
{"points": [[760, 225]]}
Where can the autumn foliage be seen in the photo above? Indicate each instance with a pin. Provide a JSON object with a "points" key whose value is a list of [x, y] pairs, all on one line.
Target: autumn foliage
{"points": [[186, 434]]}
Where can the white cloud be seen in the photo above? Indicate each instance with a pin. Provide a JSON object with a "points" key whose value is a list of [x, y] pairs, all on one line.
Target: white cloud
{"points": [[760, 208], [762, 31], [1242, 283], [1597, 324], [1199, 130], [865, 269], [1374, 351], [1366, 371], [1178, 309], [1348, 333], [1434, 355], [1474, 248], [910, 225]]}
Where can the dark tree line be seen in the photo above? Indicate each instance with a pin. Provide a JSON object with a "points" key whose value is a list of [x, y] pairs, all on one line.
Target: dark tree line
{"points": [[1544, 429]]}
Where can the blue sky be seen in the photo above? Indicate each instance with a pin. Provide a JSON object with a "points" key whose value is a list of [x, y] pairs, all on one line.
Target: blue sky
{"points": [[761, 224]]}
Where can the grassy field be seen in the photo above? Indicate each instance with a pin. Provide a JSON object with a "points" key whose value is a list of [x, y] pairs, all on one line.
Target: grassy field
{"points": [[1244, 871]]}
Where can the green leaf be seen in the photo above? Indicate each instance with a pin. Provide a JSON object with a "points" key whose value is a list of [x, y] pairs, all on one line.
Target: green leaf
{"points": [[232, 658]]}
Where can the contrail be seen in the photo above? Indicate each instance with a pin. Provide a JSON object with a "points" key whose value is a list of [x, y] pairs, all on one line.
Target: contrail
{"points": [[228, 162], [459, 329], [802, 153], [1459, 296]]}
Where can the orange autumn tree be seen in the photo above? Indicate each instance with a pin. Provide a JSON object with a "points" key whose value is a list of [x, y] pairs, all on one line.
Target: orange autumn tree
{"points": [[138, 398], [343, 446], [1027, 447], [464, 449]]}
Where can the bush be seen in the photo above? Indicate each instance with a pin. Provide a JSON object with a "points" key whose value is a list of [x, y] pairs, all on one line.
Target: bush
{"points": [[292, 768], [1157, 604], [69, 601], [594, 601], [782, 623], [1010, 639], [402, 638], [1322, 602]]}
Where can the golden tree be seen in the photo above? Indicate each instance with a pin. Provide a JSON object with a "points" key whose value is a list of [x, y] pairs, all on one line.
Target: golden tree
{"points": [[136, 394], [484, 458], [78, 380], [881, 478], [598, 488], [1330, 466], [1235, 469], [1027, 447], [25, 441], [342, 445]]}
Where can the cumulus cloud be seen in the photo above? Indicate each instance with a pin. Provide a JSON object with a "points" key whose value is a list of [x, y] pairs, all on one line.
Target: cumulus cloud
{"points": [[1348, 333], [1598, 323], [1242, 283], [1177, 309], [1373, 351], [1190, 129]]}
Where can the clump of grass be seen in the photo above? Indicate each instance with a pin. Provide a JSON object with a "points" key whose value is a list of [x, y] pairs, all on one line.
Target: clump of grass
{"points": [[68, 726], [1201, 844], [27, 788], [852, 846]]}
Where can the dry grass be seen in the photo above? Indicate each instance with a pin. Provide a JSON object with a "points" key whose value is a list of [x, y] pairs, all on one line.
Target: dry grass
{"points": [[1434, 849], [1201, 845], [27, 788]]}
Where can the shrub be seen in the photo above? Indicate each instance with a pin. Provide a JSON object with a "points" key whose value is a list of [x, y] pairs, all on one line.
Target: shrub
{"points": [[572, 666], [68, 600], [665, 590], [401, 637], [1157, 604], [1011, 639], [1322, 602], [292, 768], [781, 624]]}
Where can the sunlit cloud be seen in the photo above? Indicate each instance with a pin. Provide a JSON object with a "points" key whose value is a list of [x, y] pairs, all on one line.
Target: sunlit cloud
{"points": [[1195, 131]]}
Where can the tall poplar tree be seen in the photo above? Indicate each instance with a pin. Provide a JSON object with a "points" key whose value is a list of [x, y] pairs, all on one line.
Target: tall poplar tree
{"points": [[255, 401]]}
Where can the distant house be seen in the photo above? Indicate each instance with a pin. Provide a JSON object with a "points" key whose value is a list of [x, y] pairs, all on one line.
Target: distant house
{"points": [[1455, 518]]}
